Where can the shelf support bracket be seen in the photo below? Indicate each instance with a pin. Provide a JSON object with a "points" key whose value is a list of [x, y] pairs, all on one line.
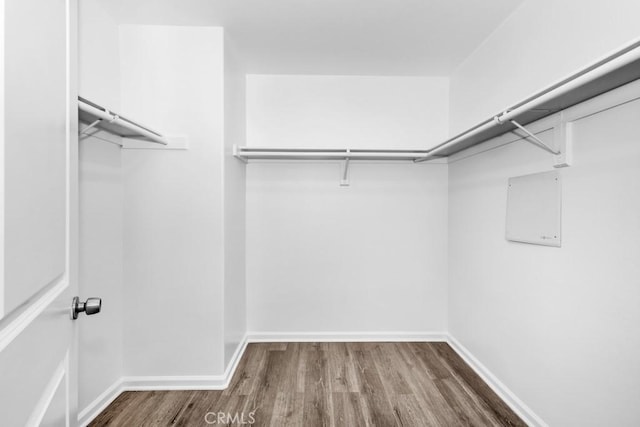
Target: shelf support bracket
{"points": [[563, 138], [344, 179], [84, 131], [534, 139]]}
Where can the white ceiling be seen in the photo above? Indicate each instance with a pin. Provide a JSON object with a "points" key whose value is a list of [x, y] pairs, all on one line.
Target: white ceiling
{"points": [[366, 37]]}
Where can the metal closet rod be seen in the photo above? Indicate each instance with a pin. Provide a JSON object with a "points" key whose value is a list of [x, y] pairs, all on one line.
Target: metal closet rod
{"points": [[103, 114], [326, 153], [608, 64]]}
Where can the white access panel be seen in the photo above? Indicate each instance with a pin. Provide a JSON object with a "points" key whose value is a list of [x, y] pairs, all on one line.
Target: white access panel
{"points": [[534, 209]]}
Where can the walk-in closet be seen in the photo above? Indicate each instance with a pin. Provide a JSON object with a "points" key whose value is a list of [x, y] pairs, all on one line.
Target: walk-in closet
{"points": [[320, 213]]}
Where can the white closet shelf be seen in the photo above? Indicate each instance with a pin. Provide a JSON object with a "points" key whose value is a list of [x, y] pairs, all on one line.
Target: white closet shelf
{"points": [[612, 71], [247, 153], [615, 70], [97, 116]]}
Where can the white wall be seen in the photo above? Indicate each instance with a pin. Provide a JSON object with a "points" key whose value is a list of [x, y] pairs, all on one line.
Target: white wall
{"points": [[371, 257], [235, 297], [100, 337], [542, 42], [347, 111], [172, 79], [99, 53], [557, 326], [368, 258]]}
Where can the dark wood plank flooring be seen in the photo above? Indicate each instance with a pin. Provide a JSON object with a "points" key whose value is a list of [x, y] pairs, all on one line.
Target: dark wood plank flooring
{"points": [[328, 384]]}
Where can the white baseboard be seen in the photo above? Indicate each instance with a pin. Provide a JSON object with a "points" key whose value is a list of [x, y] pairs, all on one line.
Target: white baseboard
{"points": [[185, 382], [517, 405], [174, 382], [100, 403], [235, 359], [144, 383], [346, 336]]}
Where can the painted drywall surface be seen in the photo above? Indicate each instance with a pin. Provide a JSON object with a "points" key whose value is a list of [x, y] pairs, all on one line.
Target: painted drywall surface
{"points": [[99, 58], [172, 80], [366, 258], [557, 326], [100, 184], [542, 42], [100, 337], [235, 306], [347, 111], [371, 257]]}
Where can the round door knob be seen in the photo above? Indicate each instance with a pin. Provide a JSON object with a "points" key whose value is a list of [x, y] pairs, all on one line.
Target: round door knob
{"points": [[89, 307]]}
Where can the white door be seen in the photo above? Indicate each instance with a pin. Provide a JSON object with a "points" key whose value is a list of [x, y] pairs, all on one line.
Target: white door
{"points": [[38, 131]]}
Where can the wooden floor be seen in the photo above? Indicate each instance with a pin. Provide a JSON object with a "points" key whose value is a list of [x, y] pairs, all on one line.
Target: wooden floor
{"points": [[328, 384]]}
